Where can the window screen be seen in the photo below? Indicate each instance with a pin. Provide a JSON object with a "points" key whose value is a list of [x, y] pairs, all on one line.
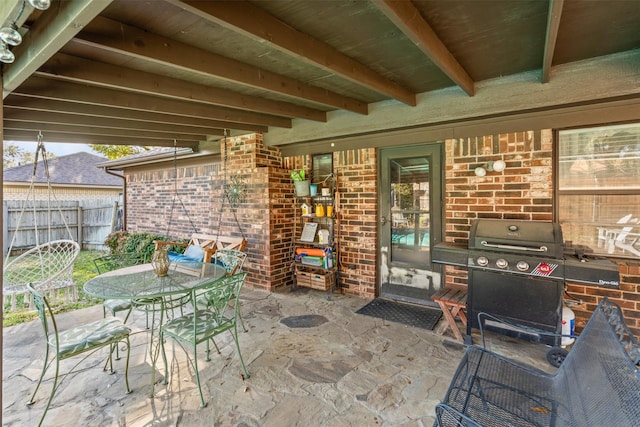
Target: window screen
{"points": [[599, 189]]}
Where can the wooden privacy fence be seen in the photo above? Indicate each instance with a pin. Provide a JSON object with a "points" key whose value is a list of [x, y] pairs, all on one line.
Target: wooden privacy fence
{"points": [[89, 222]]}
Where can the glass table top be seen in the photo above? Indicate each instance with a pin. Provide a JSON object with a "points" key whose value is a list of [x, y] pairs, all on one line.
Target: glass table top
{"points": [[140, 281]]}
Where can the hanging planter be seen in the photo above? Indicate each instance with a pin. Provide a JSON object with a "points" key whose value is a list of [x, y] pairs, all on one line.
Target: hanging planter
{"points": [[301, 184], [302, 188]]}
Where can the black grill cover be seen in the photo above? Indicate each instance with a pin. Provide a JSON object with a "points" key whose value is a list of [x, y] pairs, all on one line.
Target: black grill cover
{"points": [[533, 238]]}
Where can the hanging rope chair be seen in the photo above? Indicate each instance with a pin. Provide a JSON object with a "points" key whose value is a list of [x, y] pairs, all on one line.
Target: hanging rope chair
{"points": [[48, 267]]}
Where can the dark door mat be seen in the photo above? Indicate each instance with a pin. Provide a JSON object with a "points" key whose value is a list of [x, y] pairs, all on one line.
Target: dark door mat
{"points": [[304, 321], [407, 314]]}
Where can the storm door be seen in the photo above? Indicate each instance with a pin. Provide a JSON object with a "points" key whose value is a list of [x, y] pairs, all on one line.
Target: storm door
{"points": [[410, 221]]}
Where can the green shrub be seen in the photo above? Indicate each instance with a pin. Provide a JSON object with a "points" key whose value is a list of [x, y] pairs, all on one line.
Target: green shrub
{"points": [[122, 242], [116, 241]]}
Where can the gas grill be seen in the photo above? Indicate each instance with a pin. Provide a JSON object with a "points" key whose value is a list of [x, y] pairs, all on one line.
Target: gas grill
{"points": [[517, 271]]}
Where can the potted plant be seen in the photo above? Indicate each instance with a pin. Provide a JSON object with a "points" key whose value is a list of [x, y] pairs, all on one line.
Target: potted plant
{"points": [[301, 184]]}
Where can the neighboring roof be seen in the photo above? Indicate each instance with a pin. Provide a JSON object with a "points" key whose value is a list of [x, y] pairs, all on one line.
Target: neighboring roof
{"points": [[160, 154], [79, 168]]}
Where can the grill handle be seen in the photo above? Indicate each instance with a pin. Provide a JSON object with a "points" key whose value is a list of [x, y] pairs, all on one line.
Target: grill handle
{"points": [[518, 248]]}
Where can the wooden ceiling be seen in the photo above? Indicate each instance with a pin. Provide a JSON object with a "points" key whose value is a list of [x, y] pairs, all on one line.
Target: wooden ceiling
{"points": [[148, 72]]}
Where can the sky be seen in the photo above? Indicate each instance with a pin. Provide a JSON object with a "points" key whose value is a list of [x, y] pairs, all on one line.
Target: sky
{"points": [[59, 149]]}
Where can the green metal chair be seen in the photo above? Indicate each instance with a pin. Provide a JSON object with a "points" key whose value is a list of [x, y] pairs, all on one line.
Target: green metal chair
{"points": [[232, 260], [203, 325], [107, 263], [87, 338]]}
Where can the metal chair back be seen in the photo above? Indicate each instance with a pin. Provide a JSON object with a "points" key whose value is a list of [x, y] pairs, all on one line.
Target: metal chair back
{"points": [[231, 259], [204, 324]]}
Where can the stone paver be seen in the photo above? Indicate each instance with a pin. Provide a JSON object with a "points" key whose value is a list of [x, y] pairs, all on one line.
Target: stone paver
{"points": [[350, 370]]}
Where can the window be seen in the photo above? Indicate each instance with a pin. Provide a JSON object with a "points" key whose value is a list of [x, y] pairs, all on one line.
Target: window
{"points": [[599, 189], [322, 166]]}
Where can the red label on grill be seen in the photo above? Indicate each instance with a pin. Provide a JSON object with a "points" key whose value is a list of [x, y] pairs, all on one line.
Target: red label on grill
{"points": [[544, 269]]}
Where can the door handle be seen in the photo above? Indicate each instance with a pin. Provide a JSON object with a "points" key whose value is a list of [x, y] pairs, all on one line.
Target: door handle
{"points": [[383, 220]]}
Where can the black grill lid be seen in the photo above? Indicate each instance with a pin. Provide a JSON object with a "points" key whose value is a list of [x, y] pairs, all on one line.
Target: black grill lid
{"points": [[535, 238]]}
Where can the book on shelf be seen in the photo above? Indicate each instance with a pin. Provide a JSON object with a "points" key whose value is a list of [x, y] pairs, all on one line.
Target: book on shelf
{"points": [[309, 232]]}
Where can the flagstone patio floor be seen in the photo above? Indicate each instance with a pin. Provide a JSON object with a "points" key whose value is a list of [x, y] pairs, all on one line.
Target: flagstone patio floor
{"points": [[332, 367]]}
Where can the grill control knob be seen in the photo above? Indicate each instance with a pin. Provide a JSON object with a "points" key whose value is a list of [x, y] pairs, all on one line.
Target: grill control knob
{"points": [[502, 263], [482, 261], [522, 265]]}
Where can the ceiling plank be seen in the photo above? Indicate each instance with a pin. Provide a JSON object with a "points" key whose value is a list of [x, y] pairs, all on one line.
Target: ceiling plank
{"points": [[60, 23], [80, 70], [83, 110], [63, 137], [553, 24], [17, 114], [44, 88], [103, 33], [244, 17], [408, 19], [71, 129]]}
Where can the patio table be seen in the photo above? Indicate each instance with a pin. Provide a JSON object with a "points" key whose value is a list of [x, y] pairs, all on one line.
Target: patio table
{"points": [[142, 286]]}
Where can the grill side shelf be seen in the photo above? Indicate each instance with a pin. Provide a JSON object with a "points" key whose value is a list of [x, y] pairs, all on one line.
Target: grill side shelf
{"points": [[450, 254]]}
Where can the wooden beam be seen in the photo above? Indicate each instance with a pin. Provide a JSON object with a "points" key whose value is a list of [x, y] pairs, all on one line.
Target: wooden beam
{"points": [[581, 85], [34, 104], [553, 24], [85, 71], [49, 117], [52, 30], [408, 19], [106, 34], [40, 87], [73, 129], [50, 136], [250, 20]]}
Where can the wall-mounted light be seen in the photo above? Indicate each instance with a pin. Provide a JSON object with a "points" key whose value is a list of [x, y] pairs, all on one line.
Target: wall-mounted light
{"points": [[497, 166], [40, 4], [6, 55], [9, 35]]}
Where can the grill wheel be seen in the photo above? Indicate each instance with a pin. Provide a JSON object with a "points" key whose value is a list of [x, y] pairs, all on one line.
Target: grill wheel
{"points": [[556, 355]]}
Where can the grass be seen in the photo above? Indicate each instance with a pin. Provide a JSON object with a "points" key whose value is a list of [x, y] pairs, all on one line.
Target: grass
{"points": [[83, 270]]}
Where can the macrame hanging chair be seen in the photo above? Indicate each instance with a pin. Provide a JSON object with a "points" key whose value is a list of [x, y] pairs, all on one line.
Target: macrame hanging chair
{"points": [[48, 267]]}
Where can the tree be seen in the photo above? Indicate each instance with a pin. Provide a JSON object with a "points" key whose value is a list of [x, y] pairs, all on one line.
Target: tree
{"points": [[113, 152], [12, 155]]}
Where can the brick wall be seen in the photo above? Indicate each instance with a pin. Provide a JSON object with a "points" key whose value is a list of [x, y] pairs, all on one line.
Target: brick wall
{"points": [[266, 211], [523, 191], [262, 218], [355, 214], [356, 172], [151, 194]]}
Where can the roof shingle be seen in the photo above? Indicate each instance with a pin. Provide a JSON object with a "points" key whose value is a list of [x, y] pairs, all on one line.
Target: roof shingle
{"points": [[78, 168]]}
